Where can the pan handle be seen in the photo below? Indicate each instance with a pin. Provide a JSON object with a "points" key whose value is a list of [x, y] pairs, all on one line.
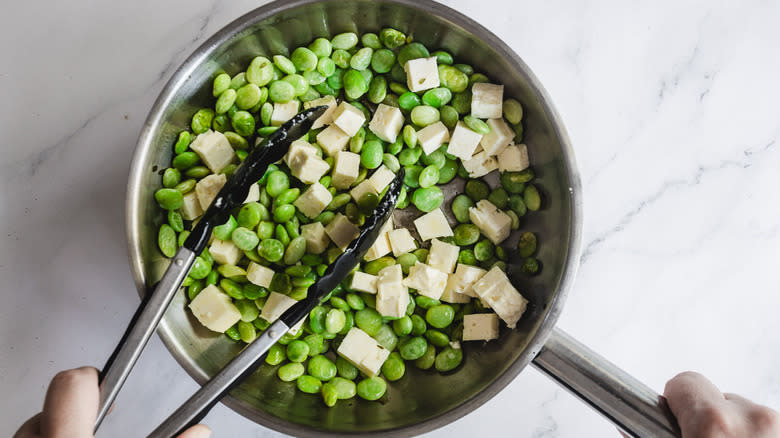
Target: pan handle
{"points": [[631, 405]]}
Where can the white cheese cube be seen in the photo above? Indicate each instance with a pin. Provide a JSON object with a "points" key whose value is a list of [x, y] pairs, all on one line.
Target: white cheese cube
{"points": [[497, 291], [298, 151], [346, 167], [401, 241], [327, 117], [450, 296], [480, 165], [381, 178], [387, 122], [499, 137], [214, 309], [362, 351], [513, 158], [464, 142], [361, 189], [259, 274], [432, 137], [348, 118], [297, 327], [191, 208], [392, 297], [284, 111], [317, 239], [332, 139], [492, 222], [480, 327], [462, 281], [341, 231], [313, 200], [432, 224], [214, 149], [363, 282], [443, 256], [487, 100], [381, 246], [428, 281], [208, 188], [422, 74], [275, 306], [253, 195], [225, 252], [309, 169]]}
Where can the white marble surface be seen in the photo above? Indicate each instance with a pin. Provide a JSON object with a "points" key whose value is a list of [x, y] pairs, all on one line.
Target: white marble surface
{"points": [[671, 106]]}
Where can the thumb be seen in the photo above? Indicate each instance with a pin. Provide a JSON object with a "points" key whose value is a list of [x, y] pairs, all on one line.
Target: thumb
{"points": [[197, 431]]}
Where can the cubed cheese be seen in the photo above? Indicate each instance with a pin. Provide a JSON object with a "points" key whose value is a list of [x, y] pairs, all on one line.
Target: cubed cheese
{"points": [[432, 224], [225, 252], [462, 281], [214, 149], [427, 280], [387, 122], [362, 351], [275, 306], [284, 111], [297, 327], [381, 246], [492, 222], [381, 178], [487, 100], [363, 282], [259, 274], [392, 296], [443, 256], [253, 195], [480, 165], [341, 231], [432, 137], [214, 309], [361, 189], [298, 151], [332, 140], [208, 188], [464, 142], [401, 241], [327, 117], [316, 238], [513, 158], [348, 118], [480, 327], [313, 200], [422, 74], [450, 296], [191, 208], [346, 167], [309, 169], [497, 291], [498, 138]]}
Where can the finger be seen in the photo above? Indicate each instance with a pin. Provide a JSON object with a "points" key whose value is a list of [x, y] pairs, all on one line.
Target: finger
{"points": [[31, 428], [688, 393], [70, 409], [197, 431]]}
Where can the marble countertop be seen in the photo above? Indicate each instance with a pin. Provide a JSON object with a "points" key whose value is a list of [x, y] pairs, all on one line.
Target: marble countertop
{"points": [[671, 107]]}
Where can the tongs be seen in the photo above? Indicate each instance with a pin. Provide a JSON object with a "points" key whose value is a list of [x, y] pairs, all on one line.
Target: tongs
{"points": [[153, 307]]}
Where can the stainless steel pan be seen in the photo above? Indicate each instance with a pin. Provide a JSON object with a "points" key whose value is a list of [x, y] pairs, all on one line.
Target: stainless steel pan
{"points": [[420, 401]]}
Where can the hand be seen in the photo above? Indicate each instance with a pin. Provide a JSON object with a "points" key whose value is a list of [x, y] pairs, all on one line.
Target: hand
{"points": [[704, 412], [70, 409]]}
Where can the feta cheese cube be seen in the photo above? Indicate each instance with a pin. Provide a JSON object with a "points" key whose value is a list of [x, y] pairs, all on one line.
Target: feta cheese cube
{"points": [[346, 167], [432, 224], [297, 327], [275, 306], [432, 137], [480, 165], [341, 231], [422, 74], [214, 149], [513, 158], [381, 246], [259, 274], [362, 351], [499, 137], [497, 291], [427, 280], [253, 195], [313, 200], [208, 188], [450, 296], [332, 139], [316, 238], [327, 117], [487, 100], [381, 178], [387, 122], [214, 309], [392, 297], [492, 222], [363, 282], [348, 118], [284, 111], [443, 256], [298, 151], [225, 252], [401, 241], [462, 281], [361, 189], [464, 142], [309, 169], [191, 208], [480, 327]]}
